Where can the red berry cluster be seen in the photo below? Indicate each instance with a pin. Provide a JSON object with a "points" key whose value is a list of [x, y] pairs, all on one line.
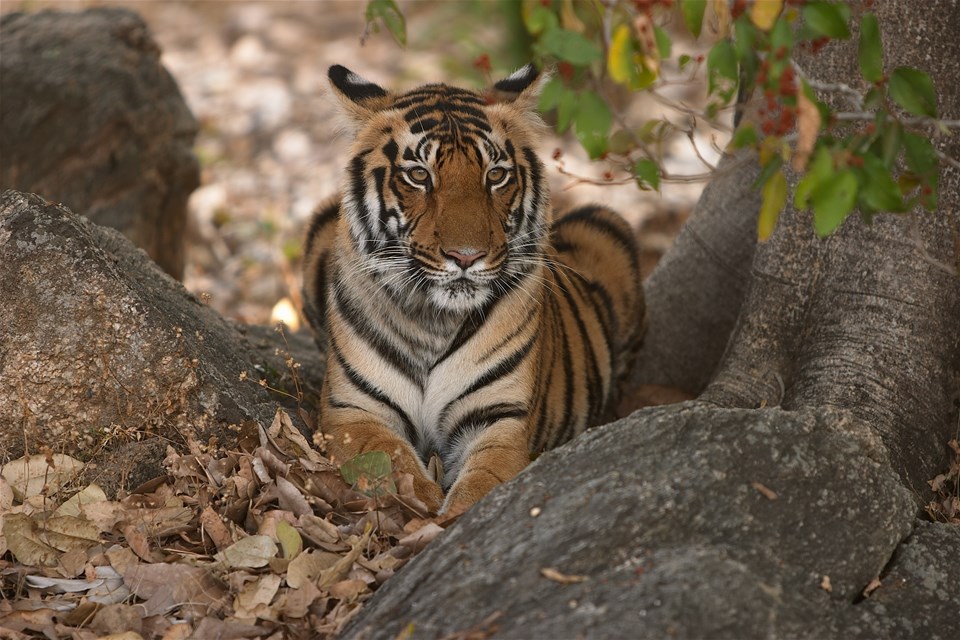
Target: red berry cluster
{"points": [[777, 117], [482, 63], [647, 6], [814, 46]]}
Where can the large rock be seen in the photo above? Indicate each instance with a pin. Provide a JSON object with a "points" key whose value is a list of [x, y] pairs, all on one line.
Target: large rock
{"points": [[687, 521], [91, 119], [100, 349]]}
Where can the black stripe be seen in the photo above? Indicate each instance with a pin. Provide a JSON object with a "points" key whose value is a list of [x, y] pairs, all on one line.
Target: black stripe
{"points": [[423, 125], [586, 215], [359, 321], [321, 218], [391, 149], [544, 432], [595, 396], [469, 327], [379, 177], [483, 417], [568, 382], [503, 368], [368, 389], [358, 188]]}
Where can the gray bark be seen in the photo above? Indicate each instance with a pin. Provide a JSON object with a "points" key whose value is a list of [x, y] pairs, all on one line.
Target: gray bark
{"points": [[694, 294], [99, 349], [672, 536], [866, 319], [91, 119]]}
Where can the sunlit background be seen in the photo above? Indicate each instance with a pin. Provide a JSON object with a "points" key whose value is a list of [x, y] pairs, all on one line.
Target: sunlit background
{"points": [[254, 75]]}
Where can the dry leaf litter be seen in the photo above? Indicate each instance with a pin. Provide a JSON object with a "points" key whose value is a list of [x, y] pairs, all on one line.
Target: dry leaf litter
{"points": [[268, 540]]}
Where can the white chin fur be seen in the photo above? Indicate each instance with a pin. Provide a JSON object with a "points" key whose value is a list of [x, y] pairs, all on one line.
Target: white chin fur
{"points": [[459, 300]]}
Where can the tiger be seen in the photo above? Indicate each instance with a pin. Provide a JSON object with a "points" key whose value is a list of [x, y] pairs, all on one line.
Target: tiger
{"points": [[466, 329]]}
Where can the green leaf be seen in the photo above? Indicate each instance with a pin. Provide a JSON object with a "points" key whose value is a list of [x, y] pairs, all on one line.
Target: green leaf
{"points": [[570, 46], [566, 110], [541, 19], [693, 11], [647, 173], [592, 123], [744, 136], [722, 65], [921, 157], [892, 139], [873, 99], [878, 190], [817, 171], [683, 60], [774, 197], [767, 170], [827, 19], [551, 93], [782, 34], [871, 51], [922, 160], [621, 142], [913, 90], [389, 13], [744, 39], [832, 201], [372, 469], [664, 45]]}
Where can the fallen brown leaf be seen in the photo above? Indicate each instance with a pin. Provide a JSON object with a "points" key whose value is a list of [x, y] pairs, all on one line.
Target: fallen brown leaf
{"points": [[213, 526], [33, 475], [765, 491], [563, 578], [168, 586]]}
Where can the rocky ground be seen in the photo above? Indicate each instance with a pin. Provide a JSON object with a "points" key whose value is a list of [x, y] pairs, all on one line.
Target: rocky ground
{"points": [[253, 73]]}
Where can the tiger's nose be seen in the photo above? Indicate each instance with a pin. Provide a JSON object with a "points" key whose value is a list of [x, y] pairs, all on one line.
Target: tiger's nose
{"points": [[464, 257]]}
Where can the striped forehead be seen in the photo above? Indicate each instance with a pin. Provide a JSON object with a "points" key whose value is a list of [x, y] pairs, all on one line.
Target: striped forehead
{"points": [[444, 111], [442, 122]]}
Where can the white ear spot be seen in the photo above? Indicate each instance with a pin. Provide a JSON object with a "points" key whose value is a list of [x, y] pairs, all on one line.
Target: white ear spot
{"points": [[519, 80]]}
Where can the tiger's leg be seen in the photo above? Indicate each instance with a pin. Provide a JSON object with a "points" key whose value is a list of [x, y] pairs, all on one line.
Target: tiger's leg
{"points": [[498, 454], [350, 432]]}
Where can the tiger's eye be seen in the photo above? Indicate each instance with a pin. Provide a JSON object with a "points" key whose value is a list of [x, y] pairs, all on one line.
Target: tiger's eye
{"points": [[419, 175], [496, 174]]}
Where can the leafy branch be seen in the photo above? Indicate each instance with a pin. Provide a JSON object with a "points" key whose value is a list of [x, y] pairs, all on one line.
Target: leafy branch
{"points": [[875, 154]]}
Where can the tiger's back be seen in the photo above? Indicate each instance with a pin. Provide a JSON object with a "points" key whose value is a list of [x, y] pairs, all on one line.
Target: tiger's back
{"points": [[465, 327]]}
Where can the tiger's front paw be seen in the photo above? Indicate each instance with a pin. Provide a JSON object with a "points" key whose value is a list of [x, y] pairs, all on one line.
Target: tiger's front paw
{"points": [[428, 492], [465, 493]]}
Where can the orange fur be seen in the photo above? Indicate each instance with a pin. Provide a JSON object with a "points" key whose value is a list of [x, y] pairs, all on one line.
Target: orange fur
{"points": [[460, 320]]}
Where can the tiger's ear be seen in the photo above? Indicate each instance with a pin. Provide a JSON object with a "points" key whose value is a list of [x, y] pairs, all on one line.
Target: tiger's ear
{"points": [[522, 87], [358, 98]]}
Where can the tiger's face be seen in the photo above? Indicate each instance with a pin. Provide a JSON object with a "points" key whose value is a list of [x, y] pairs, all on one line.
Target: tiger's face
{"points": [[445, 198]]}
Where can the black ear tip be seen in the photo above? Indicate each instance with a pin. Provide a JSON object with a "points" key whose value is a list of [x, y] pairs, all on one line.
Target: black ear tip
{"points": [[352, 85], [337, 74], [519, 80]]}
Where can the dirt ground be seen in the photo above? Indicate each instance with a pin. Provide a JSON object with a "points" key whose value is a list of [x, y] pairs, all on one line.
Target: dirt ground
{"points": [[254, 74]]}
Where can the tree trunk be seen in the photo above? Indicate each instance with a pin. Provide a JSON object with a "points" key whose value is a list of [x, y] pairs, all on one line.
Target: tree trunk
{"points": [[868, 319], [695, 292]]}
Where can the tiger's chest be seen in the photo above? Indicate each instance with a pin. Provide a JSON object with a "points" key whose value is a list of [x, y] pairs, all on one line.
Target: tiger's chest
{"points": [[433, 383]]}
